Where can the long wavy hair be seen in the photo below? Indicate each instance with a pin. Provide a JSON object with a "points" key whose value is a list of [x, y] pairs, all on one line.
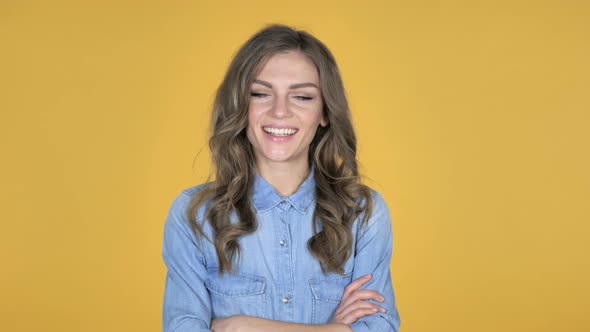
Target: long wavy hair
{"points": [[340, 196]]}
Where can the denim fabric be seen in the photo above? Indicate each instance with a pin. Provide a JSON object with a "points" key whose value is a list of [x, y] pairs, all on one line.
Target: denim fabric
{"points": [[277, 277]]}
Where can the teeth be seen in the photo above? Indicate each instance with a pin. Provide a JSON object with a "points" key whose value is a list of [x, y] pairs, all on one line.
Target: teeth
{"points": [[280, 131]]}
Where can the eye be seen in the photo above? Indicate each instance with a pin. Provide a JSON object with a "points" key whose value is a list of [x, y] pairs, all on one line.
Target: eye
{"points": [[303, 98], [257, 95]]}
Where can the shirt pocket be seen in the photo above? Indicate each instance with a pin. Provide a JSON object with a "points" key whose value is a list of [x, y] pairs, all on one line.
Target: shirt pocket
{"points": [[327, 292], [236, 294]]}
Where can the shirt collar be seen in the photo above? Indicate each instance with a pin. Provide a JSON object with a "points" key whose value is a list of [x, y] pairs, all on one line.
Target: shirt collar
{"points": [[266, 197]]}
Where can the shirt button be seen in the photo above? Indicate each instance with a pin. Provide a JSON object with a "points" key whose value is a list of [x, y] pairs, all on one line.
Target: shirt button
{"points": [[286, 300], [282, 243]]}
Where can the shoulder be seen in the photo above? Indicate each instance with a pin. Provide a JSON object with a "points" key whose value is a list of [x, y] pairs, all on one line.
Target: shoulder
{"points": [[380, 208], [379, 218], [192, 191], [178, 211], [185, 195], [177, 223]]}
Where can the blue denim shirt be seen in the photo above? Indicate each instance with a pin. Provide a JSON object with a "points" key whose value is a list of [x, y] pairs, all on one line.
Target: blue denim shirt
{"points": [[277, 277]]}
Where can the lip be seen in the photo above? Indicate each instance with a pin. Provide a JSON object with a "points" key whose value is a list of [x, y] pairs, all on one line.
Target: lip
{"points": [[278, 139], [279, 127]]}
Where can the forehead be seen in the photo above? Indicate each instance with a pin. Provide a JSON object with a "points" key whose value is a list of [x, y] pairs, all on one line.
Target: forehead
{"points": [[289, 67]]}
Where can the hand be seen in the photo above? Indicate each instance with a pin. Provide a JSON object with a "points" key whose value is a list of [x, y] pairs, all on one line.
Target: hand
{"points": [[353, 304], [228, 324]]}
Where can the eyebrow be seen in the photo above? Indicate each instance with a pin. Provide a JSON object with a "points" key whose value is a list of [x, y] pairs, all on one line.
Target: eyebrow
{"points": [[292, 86]]}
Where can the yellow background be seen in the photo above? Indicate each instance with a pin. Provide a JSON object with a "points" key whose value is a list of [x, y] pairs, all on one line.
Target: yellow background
{"points": [[472, 119]]}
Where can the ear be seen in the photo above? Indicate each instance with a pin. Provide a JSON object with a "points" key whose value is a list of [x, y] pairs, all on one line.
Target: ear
{"points": [[324, 120]]}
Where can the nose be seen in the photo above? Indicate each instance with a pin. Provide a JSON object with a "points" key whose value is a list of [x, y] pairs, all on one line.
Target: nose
{"points": [[280, 107]]}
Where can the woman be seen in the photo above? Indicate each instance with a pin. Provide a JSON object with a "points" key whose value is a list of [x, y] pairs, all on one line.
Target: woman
{"points": [[286, 237]]}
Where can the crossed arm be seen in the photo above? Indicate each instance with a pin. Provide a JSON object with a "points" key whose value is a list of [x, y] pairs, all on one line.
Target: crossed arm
{"points": [[355, 312], [353, 306]]}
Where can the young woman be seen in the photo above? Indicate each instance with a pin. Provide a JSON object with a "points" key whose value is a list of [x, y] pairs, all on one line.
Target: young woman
{"points": [[286, 237]]}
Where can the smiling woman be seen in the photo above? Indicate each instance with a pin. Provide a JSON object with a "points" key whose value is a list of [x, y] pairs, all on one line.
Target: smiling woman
{"points": [[285, 112], [286, 237]]}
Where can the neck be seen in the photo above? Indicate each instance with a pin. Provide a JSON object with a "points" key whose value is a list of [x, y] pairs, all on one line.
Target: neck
{"points": [[284, 177]]}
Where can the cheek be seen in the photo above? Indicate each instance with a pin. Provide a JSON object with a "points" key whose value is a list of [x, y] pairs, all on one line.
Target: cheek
{"points": [[254, 114], [253, 119], [314, 119], [250, 130]]}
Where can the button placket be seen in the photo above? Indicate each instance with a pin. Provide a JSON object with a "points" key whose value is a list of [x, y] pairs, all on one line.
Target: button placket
{"points": [[285, 277]]}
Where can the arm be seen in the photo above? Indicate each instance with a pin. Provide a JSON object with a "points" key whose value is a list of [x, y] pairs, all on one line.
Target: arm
{"points": [[373, 251], [186, 307], [254, 324], [372, 256]]}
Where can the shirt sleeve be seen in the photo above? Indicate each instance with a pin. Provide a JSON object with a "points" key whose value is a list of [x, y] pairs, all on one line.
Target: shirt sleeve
{"points": [[373, 251], [186, 305]]}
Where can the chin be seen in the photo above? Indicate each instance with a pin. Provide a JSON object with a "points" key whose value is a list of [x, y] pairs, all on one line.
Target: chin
{"points": [[280, 156], [277, 157]]}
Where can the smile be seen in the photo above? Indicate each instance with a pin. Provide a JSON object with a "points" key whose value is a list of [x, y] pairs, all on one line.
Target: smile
{"points": [[280, 131]]}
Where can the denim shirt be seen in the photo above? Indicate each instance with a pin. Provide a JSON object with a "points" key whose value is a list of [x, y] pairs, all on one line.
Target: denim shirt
{"points": [[277, 277]]}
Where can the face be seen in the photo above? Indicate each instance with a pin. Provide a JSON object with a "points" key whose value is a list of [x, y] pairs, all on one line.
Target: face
{"points": [[285, 109]]}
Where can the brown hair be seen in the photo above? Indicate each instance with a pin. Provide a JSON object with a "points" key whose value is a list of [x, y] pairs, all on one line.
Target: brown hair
{"points": [[340, 197]]}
